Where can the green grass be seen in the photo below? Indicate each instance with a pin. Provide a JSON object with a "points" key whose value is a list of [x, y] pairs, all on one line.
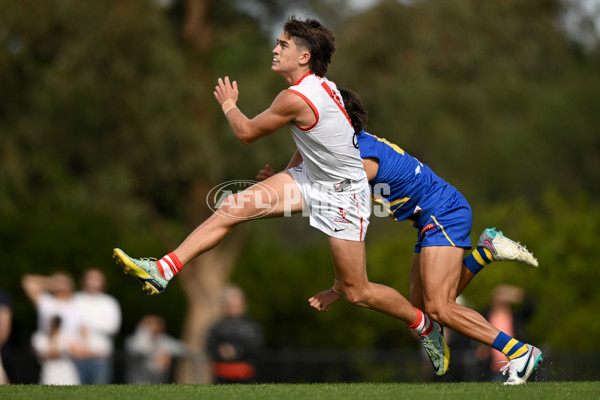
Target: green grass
{"points": [[324, 391]]}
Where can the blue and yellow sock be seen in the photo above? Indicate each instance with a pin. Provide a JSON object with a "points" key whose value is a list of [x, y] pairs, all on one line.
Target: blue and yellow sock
{"points": [[479, 258], [509, 346]]}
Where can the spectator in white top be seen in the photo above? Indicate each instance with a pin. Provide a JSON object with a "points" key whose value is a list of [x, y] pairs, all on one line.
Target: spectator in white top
{"points": [[53, 350], [101, 318], [53, 296], [59, 323]]}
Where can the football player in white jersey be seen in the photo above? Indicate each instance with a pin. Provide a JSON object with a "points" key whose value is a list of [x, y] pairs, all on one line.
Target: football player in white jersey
{"points": [[325, 178]]}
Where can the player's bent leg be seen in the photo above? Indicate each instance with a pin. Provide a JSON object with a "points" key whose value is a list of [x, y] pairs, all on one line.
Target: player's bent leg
{"points": [[440, 268], [416, 289], [350, 265], [276, 196], [349, 260], [433, 339], [440, 272], [273, 197]]}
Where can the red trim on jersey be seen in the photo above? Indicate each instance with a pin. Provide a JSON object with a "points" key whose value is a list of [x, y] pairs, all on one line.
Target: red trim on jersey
{"points": [[302, 78], [303, 97], [336, 99]]}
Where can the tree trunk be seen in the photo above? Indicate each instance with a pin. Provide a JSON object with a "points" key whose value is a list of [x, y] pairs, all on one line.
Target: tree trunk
{"points": [[203, 280], [196, 28]]}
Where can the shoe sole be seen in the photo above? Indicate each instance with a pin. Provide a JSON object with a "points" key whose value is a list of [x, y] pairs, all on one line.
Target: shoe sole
{"points": [[129, 268], [446, 358]]}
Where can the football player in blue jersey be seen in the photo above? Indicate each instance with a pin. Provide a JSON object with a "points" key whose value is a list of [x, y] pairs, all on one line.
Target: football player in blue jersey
{"points": [[411, 191]]}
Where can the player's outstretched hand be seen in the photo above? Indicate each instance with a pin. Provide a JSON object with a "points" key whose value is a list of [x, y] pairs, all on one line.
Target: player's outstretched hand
{"points": [[322, 301], [265, 173], [226, 91]]}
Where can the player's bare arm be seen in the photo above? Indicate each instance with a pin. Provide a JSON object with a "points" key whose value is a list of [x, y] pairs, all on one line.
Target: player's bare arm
{"points": [[286, 108], [371, 166]]}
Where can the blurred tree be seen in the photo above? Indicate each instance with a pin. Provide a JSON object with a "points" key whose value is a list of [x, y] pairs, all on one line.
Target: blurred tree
{"points": [[102, 104], [467, 84], [110, 136]]}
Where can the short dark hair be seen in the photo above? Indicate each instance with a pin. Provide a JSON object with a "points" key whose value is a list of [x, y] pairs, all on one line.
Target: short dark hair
{"points": [[356, 110], [318, 39]]}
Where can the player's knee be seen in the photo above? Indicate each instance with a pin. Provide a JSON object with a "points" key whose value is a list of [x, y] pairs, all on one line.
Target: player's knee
{"points": [[437, 311], [356, 297], [234, 209]]}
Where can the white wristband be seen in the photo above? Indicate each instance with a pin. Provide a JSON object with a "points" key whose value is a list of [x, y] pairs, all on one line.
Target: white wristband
{"points": [[230, 108], [226, 101], [335, 291]]}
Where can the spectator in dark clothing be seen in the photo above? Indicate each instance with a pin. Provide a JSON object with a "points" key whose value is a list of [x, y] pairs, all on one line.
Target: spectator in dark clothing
{"points": [[235, 341]]}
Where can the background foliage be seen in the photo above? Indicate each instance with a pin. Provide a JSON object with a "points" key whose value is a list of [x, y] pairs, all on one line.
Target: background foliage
{"points": [[108, 127]]}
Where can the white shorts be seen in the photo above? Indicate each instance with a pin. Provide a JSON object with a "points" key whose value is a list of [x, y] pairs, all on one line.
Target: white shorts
{"points": [[337, 214]]}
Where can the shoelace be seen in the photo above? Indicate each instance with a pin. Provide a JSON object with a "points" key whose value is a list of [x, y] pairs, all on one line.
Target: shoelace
{"points": [[511, 377], [429, 346], [505, 367]]}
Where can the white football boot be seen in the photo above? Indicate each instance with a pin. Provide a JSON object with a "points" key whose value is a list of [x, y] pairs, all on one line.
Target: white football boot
{"points": [[520, 368], [505, 249]]}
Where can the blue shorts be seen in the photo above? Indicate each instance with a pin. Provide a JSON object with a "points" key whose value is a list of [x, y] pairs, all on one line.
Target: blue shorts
{"points": [[449, 225]]}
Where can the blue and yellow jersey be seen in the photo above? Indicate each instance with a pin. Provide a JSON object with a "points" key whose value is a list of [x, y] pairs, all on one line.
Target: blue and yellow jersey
{"points": [[406, 187]]}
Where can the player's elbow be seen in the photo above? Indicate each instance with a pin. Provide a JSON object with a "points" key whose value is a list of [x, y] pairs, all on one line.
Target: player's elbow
{"points": [[250, 133], [245, 135], [246, 139]]}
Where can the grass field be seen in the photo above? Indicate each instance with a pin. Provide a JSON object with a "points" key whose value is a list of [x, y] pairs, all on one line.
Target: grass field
{"points": [[324, 391]]}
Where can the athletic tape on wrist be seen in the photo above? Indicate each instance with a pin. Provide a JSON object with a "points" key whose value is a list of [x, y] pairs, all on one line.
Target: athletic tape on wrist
{"points": [[230, 108]]}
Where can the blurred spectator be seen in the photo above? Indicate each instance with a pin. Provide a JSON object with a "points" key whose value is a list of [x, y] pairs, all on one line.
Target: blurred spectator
{"points": [[53, 296], [101, 319], [150, 352], [509, 310], [53, 349], [234, 342], [5, 328], [59, 322]]}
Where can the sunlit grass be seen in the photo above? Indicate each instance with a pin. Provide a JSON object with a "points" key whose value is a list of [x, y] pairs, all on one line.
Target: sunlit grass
{"points": [[325, 391]]}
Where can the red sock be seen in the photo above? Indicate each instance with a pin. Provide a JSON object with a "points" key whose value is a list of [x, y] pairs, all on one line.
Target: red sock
{"points": [[423, 325], [169, 266]]}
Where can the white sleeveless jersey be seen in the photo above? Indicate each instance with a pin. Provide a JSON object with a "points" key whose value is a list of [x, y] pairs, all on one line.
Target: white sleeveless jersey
{"points": [[327, 146]]}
